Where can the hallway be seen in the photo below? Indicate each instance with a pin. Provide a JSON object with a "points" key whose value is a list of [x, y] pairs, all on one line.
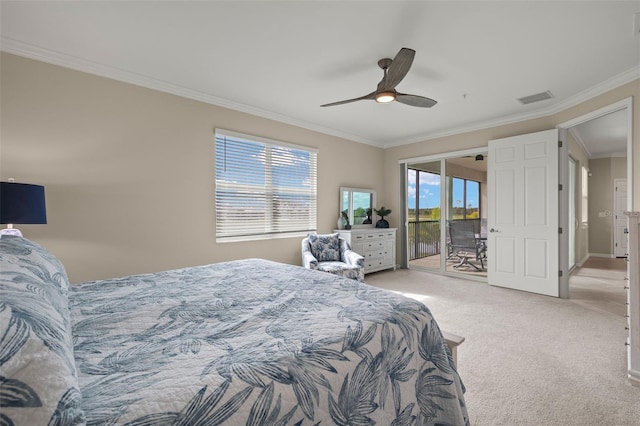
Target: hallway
{"points": [[599, 285]]}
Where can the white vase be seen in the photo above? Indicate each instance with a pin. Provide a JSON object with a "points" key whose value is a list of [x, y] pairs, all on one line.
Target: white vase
{"points": [[340, 223]]}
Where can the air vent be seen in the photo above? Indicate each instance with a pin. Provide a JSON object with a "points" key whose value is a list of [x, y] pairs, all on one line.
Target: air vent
{"points": [[536, 98]]}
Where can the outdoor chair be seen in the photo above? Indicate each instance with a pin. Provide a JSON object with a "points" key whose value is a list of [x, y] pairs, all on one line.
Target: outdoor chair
{"points": [[465, 245]]}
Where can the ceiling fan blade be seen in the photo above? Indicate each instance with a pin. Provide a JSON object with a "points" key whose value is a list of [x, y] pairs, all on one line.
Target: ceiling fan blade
{"points": [[371, 95], [398, 69], [415, 100]]}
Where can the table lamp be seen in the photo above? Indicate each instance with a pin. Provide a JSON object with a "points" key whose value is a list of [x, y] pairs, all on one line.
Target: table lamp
{"points": [[21, 203]]}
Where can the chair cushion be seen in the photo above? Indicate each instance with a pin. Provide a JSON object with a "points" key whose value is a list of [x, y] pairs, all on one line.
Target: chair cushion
{"points": [[326, 247], [342, 269]]}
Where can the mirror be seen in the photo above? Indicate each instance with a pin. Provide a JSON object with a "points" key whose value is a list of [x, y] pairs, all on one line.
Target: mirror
{"points": [[357, 202]]}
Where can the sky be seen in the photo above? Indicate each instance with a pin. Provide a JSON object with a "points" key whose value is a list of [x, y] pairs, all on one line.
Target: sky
{"points": [[248, 165], [430, 191]]}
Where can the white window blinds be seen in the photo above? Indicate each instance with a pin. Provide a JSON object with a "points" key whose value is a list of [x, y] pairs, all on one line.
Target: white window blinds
{"points": [[264, 188]]}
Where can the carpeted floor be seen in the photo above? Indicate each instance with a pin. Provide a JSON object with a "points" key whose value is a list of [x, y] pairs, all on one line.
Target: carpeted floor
{"points": [[530, 359]]}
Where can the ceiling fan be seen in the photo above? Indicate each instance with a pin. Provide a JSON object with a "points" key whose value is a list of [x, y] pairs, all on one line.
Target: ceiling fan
{"points": [[478, 157], [394, 71]]}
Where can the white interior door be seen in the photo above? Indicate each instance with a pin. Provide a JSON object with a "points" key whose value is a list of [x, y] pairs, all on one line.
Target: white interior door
{"points": [[523, 213], [619, 219]]}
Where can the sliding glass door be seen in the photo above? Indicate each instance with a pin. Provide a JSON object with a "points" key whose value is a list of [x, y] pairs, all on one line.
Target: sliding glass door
{"points": [[465, 228], [424, 212], [446, 216]]}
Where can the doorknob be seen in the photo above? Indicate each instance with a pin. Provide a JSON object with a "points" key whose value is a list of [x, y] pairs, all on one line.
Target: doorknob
{"points": [[493, 230]]}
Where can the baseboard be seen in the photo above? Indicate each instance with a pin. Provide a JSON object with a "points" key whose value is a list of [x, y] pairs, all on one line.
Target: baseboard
{"points": [[607, 255], [582, 262]]}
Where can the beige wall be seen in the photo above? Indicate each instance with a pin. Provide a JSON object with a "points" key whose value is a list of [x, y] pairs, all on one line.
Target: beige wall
{"points": [[480, 138], [453, 143], [129, 172], [602, 173], [582, 231], [600, 199], [625, 91]]}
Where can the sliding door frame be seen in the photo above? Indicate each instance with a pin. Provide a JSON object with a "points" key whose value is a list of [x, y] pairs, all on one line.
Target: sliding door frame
{"points": [[404, 221]]}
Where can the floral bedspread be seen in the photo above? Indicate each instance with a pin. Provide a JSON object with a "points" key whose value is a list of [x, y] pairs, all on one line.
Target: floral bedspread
{"points": [[259, 343]]}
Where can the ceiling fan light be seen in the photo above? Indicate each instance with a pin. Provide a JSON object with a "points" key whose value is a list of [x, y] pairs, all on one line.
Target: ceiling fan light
{"points": [[384, 97]]}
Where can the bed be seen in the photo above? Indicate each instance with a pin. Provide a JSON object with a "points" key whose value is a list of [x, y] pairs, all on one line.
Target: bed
{"points": [[243, 342]]}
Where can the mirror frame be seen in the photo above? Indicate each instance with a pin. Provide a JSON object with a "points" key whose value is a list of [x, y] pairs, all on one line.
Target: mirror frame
{"points": [[350, 191]]}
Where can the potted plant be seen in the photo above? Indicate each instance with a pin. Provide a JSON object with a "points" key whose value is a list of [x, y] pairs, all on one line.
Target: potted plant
{"points": [[367, 221], [382, 212], [345, 218]]}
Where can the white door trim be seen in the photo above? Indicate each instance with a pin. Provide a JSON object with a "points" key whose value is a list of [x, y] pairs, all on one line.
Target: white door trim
{"points": [[619, 220]]}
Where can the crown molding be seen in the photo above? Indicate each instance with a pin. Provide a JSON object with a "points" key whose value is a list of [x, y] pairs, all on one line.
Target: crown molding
{"points": [[30, 51], [68, 61], [607, 85], [611, 155], [576, 135]]}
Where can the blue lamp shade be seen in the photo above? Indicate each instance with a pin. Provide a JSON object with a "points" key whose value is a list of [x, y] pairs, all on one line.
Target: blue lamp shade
{"points": [[22, 203]]}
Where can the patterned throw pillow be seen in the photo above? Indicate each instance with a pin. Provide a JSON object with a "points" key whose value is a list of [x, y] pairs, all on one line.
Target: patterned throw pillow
{"points": [[38, 378], [325, 248]]}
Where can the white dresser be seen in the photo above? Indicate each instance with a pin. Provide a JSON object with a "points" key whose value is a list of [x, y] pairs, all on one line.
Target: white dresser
{"points": [[376, 245]]}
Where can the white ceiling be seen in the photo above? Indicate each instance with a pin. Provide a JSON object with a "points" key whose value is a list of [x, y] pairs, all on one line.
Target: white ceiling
{"points": [[282, 60], [605, 136]]}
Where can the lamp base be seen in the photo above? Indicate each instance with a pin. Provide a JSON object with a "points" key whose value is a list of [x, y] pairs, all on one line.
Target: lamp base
{"points": [[10, 231]]}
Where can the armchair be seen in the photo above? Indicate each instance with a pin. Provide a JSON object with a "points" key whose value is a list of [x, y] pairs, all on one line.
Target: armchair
{"points": [[330, 253]]}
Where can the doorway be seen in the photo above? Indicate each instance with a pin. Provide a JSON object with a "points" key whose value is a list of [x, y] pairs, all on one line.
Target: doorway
{"points": [[580, 238], [600, 146], [444, 194]]}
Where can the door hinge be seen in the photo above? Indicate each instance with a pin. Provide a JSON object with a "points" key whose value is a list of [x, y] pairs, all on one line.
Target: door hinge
{"points": [[559, 144], [559, 230], [559, 273], [559, 187]]}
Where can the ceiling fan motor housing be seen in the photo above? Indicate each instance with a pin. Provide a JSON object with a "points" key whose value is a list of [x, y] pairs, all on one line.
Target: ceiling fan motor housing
{"points": [[385, 63]]}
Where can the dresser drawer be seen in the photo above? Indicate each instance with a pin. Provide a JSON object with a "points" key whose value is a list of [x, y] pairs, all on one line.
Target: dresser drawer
{"points": [[376, 263], [377, 246], [374, 245], [383, 254], [373, 254], [380, 235]]}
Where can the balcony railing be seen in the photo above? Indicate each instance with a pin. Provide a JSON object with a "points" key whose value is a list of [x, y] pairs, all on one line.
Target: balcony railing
{"points": [[424, 237]]}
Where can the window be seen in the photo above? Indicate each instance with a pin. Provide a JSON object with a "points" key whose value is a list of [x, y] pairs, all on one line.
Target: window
{"points": [[585, 196], [264, 188], [465, 203], [423, 194]]}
